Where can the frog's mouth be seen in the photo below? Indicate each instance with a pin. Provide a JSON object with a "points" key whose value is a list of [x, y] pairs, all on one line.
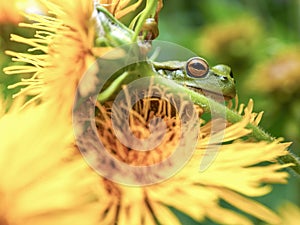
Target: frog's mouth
{"points": [[211, 94]]}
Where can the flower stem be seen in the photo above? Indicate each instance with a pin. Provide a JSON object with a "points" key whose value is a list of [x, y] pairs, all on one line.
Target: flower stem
{"points": [[233, 117]]}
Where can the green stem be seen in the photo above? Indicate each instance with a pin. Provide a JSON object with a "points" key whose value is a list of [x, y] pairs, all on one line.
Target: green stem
{"points": [[233, 117]]}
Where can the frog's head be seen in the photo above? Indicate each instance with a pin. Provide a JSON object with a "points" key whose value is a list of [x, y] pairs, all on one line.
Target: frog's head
{"points": [[198, 76]]}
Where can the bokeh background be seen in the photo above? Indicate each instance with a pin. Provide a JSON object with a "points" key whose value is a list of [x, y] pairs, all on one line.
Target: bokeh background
{"points": [[258, 39]]}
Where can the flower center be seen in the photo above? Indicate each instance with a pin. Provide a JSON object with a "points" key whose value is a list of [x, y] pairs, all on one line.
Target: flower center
{"points": [[143, 115]]}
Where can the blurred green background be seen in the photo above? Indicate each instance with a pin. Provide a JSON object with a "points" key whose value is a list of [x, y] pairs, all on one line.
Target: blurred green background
{"points": [[258, 39]]}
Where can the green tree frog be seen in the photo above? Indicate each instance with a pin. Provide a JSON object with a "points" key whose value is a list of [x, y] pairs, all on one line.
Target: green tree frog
{"points": [[196, 75]]}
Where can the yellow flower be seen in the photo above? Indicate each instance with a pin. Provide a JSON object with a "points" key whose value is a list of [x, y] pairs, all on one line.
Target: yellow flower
{"points": [[279, 74], [65, 40], [234, 176], [39, 183], [65, 37]]}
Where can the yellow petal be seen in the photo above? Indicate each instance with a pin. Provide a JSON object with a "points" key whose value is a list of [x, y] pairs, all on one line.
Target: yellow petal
{"points": [[249, 206]]}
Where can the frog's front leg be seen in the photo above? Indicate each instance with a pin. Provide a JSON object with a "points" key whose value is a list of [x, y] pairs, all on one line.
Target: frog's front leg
{"points": [[110, 31]]}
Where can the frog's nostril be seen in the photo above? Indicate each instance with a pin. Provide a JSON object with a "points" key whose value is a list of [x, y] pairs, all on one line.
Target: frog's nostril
{"points": [[223, 78]]}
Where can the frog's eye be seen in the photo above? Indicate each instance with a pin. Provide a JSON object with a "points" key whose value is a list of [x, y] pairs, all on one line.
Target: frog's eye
{"points": [[197, 67]]}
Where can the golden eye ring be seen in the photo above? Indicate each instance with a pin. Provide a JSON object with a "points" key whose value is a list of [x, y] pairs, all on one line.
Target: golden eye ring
{"points": [[197, 67]]}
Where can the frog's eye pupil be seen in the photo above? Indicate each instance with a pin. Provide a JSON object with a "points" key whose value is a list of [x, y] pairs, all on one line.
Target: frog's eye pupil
{"points": [[197, 67]]}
